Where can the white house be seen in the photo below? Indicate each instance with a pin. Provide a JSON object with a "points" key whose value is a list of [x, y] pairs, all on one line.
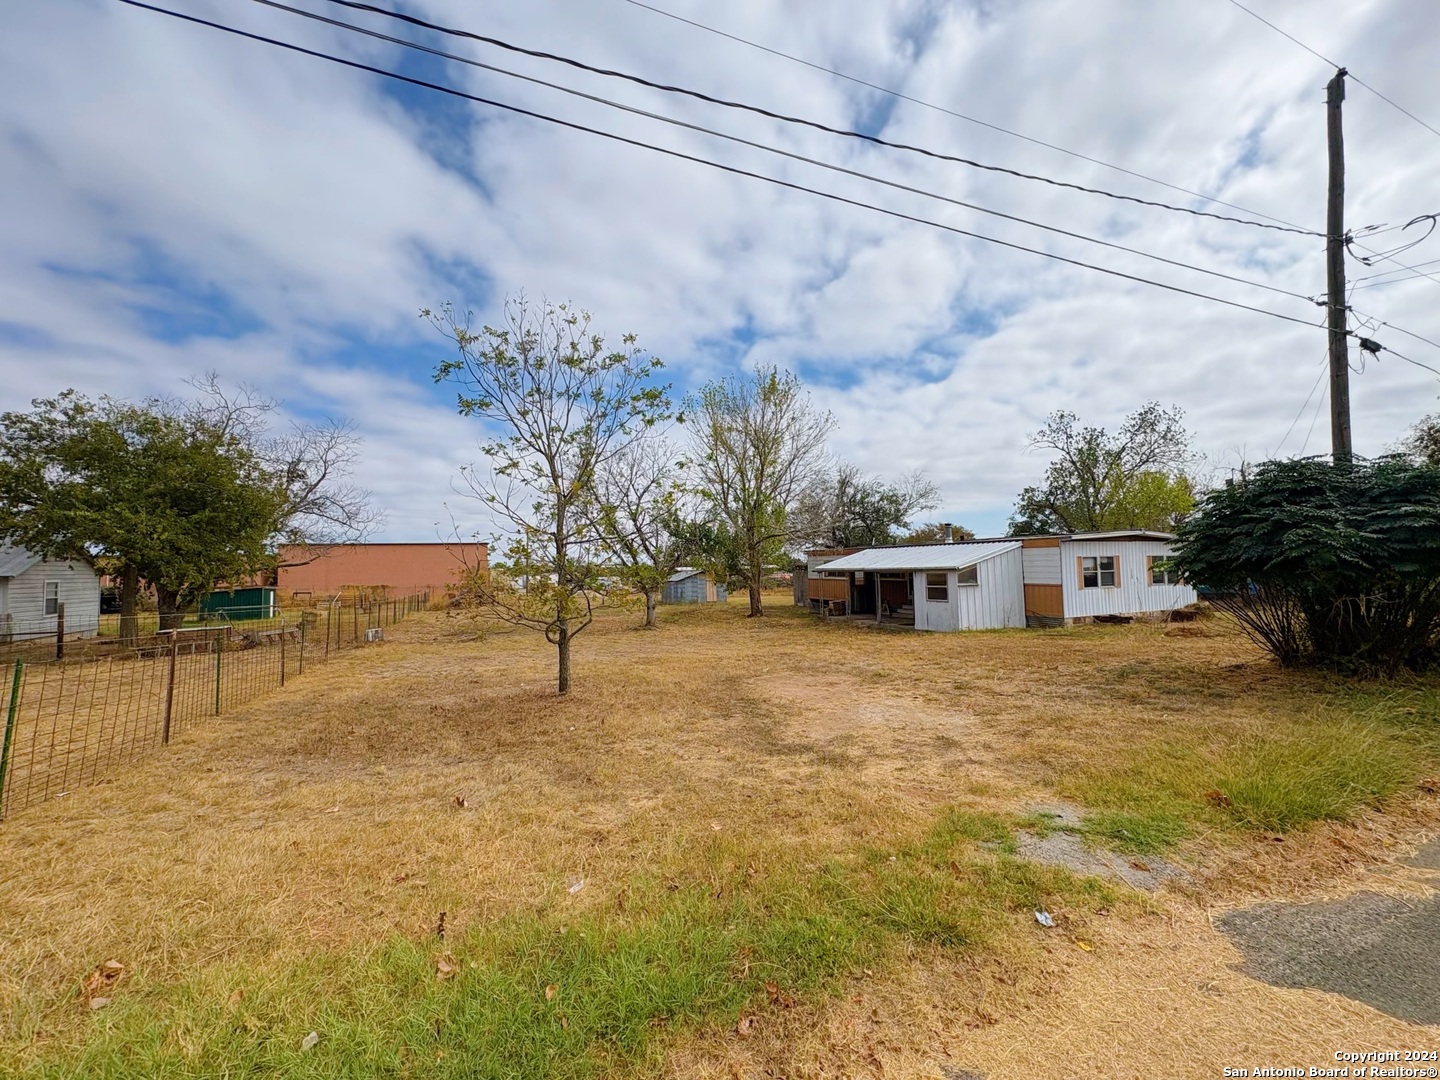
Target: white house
{"points": [[32, 590], [990, 584]]}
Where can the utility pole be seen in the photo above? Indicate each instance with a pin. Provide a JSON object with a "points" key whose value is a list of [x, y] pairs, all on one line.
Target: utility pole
{"points": [[1335, 275]]}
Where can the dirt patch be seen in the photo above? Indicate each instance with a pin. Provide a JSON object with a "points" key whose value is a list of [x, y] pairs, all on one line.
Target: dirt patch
{"points": [[1070, 851]]}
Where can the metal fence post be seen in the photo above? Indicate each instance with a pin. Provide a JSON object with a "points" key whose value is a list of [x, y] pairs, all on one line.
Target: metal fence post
{"points": [[282, 652], [170, 688], [302, 644], [9, 730], [59, 631], [219, 652], [327, 634]]}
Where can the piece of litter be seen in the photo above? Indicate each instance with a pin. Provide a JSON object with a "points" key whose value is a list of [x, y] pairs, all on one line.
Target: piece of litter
{"points": [[715, 825], [334, 809], [1044, 919], [309, 1042], [99, 1002], [577, 886]]}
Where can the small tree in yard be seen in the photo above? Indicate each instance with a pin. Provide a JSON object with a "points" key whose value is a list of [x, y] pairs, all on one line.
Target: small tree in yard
{"points": [[760, 445], [846, 508], [561, 409], [639, 500], [1332, 565]]}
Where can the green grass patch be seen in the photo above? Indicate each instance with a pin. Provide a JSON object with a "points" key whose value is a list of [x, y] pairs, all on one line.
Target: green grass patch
{"points": [[546, 995], [1327, 767]]}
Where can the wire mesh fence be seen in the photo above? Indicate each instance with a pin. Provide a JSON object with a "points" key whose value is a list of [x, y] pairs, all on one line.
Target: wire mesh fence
{"points": [[69, 722]]}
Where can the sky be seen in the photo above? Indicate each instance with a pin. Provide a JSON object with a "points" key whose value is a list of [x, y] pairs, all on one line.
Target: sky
{"points": [[175, 200]]}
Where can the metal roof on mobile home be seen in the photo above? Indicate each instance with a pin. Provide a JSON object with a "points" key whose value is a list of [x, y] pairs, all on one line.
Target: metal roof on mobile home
{"points": [[921, 557]]}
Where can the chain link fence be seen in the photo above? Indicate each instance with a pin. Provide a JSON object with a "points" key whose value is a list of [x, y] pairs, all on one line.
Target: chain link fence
{"points": [[70, 722]]}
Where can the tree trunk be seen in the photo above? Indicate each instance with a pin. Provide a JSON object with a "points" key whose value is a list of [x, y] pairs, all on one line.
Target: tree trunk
{"points": [[168, 601], [652, 596], [562, 647], [756, 571], [129, 601]]}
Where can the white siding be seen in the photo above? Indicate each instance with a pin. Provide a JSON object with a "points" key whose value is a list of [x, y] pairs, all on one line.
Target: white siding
{"points": [[997, 601], [1042, 565], [1133, 594], [24, 599]]}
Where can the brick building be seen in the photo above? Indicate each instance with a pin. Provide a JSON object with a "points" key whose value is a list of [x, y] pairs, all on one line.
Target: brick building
{"points": [[401, 569]]}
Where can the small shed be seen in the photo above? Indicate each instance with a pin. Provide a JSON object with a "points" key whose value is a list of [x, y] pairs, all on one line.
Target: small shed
{"points": [[33, 590], [239, 605], [691, 586]]}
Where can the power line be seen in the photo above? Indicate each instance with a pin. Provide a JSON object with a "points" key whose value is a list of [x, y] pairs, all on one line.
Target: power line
{"points": [[768, 113], [1324, 357], [733, 170], [843, 170], [1333, 64], [899, 96]]}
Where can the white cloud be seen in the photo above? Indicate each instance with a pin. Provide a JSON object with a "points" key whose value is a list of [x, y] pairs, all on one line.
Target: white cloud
{"points": [[174, 200]]}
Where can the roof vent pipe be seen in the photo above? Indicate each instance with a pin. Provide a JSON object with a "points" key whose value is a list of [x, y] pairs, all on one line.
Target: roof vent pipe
{"points": [[947, 532]]}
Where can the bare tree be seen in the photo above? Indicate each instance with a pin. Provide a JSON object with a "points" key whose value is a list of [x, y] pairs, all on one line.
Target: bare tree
{"points": [[639, 498], [760, 444], [560, 408], [846, 508], [311, 465]]}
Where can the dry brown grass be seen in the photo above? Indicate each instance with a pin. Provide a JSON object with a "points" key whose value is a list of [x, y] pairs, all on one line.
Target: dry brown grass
{"points": [[326, 815]]}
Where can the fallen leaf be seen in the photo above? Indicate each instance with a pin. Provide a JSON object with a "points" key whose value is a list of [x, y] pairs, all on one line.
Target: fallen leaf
{"points": [[1216, 797], [1136, 864], [99, 1002], [564, 1022], [1430, 786], [334, 809], [97, 984], [1085, 945], [308, 1043], [445, 967], [233, 999], [551, 991], [440, 927], [461, 801], [743, 1026]]}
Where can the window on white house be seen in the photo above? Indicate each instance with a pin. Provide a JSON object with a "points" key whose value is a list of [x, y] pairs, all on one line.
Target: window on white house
{"points": [[937, 587], [52, 598], [1097, 571], [968, 576], [1163, 572]]}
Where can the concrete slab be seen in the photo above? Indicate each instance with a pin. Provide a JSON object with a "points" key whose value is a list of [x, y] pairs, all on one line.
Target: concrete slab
{"points": [[1381, 950], [1070, 851]]}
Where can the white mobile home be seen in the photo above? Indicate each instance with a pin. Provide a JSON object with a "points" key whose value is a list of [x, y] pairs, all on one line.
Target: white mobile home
{"points": [[967, 586], [33, 589], [989, 584]]}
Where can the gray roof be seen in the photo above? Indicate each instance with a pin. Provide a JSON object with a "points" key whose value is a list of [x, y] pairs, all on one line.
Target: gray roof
{"points": [[15, 561], [922, 556], [682, 573], [1120, 534]]}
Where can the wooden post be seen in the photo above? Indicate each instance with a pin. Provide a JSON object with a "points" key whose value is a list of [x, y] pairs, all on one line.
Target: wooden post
{"points": [[10, 714], [1340, 445], [60, 631], [170, 688], [878, 603]]}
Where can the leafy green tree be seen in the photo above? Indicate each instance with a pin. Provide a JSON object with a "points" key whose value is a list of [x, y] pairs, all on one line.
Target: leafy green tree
{"points": [[933, 532], [1333, 565], [162, 494], [559, 409], [846, 508], [1098, 481], [759, 445], [1422, 444]]}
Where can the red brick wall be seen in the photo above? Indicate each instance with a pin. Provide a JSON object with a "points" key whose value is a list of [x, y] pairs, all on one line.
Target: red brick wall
{"points": [[402, 568]]}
